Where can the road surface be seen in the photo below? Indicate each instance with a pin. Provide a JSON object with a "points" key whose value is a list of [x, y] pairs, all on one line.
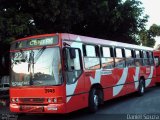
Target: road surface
{"points": [[128, 107]]}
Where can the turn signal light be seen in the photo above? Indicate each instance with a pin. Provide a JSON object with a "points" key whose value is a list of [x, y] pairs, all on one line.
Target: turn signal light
{"points": [[58, 100], [14, 100]]}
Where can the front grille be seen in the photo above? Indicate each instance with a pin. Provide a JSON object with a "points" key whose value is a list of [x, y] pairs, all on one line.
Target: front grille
{"points": [[32, 100]]}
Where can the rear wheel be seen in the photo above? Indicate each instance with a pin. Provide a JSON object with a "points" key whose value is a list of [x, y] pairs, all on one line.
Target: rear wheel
{"points": [[141, 88], [93, 100]]}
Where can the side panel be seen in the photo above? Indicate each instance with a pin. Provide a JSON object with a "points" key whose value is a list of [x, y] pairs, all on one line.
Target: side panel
{"points": [[76, 96], [115, 82]]}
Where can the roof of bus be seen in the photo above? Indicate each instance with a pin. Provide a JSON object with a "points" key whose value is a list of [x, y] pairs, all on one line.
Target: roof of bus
{"points": [[89, 40]]}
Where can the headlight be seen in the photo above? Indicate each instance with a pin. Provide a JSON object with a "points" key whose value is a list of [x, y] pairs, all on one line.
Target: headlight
{"points": [[55, 100], [49, 100], [16, 100], [13, 100]]}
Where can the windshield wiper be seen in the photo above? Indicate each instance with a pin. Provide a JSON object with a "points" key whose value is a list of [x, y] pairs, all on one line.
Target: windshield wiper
{"points": [[39, 54], [32, 61]]}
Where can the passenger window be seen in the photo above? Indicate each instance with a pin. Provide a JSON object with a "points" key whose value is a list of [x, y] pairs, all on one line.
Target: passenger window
{"points": [[106, 52], [151, 59], [91, 57], [137, 54], [119, 53], [138, 59], [91, 51], [129, 57], [119, 59], [145, 58], [107, 57]]}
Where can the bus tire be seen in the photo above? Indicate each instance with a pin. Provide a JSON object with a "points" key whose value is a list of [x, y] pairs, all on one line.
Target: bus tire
{"points": [[93, 100], [141, 88]]}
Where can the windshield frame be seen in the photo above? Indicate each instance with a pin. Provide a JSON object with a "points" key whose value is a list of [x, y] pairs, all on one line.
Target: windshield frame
{"points": [[35, 48]]}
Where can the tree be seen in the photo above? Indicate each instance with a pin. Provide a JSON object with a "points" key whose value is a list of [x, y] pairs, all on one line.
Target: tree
{"points": [[108, 19], [147, 37], [154, 30], [13, 22]]}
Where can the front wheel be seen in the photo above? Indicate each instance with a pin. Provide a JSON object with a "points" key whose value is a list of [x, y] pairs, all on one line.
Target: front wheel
{"points": [[93, 100]]}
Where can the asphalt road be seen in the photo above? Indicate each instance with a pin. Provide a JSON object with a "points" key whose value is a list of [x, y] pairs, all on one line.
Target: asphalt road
{"points": [[127, 107]]}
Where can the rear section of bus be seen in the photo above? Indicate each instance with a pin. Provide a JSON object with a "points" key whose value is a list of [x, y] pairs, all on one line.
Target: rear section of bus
{"points": [[157, 63]]}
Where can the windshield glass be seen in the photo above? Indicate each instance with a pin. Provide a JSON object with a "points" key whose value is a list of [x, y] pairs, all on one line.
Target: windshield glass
{"points": [[36, 67]]}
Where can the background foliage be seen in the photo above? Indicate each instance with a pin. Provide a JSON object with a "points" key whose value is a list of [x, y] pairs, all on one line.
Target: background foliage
{"points": [[108, 19]]}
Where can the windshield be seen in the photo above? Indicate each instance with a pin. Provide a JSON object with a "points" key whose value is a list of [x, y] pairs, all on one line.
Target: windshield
{"points": [[36, 67]]}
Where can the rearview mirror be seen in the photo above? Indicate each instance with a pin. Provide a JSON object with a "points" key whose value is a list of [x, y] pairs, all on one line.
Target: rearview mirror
{"points": [[72, 53]]}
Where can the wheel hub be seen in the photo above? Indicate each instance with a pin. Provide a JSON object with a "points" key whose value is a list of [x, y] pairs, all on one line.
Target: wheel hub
{"points": [[96, 100], [142, 89]]}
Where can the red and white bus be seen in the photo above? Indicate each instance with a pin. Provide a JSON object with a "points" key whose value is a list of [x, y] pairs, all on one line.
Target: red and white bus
{"points": [[61, 73]]}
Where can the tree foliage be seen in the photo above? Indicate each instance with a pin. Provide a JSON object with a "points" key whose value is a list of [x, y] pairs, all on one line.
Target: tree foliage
{"points": [[14, 23], [154, 30], [108, 19], [147, 37]]}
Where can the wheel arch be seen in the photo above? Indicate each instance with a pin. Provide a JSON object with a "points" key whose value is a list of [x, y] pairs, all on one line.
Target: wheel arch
{"points": [[98, 86]]}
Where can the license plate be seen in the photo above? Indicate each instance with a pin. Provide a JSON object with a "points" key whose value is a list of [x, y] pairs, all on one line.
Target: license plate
{"points": [[31, 108]]}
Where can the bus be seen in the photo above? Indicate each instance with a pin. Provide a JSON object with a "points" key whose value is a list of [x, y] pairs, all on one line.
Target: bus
{"points": [[157, 64], [61, 73]]}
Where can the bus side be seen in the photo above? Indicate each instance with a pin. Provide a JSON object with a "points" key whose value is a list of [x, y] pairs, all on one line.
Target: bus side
{"points": [[110, 70]]}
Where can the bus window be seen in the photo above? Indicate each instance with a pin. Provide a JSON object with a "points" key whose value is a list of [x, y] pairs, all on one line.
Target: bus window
{"points": [[138, 60], [129, 57], [119, 59], [107, 57], [91, 57], [73, 64], [145, 58], [156, 60], [151, 60]]}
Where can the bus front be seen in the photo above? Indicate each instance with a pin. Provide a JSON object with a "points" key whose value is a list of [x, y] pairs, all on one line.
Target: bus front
{"points": [[36, 75]]}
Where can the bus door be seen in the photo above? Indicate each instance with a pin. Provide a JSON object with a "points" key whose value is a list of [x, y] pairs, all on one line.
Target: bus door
{"points": [[74, 78]]}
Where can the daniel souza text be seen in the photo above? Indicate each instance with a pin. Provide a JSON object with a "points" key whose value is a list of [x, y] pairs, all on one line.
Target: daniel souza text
{"points": [[143, 117]]}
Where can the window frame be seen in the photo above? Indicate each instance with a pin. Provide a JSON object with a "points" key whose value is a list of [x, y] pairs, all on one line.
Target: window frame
{"points": [[123, 56], [112, 54], [132, 56], [98, 56], [145, 57]]}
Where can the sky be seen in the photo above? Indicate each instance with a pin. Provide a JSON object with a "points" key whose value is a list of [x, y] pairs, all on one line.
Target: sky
{"points": [[152, 8]]}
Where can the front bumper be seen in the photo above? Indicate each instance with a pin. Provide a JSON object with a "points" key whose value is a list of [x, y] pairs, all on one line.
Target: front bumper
{"points": [[51, 108]]}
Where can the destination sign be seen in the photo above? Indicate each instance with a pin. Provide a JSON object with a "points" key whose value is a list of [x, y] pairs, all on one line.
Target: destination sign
{"points": [[42, 42], [35, 42]]}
